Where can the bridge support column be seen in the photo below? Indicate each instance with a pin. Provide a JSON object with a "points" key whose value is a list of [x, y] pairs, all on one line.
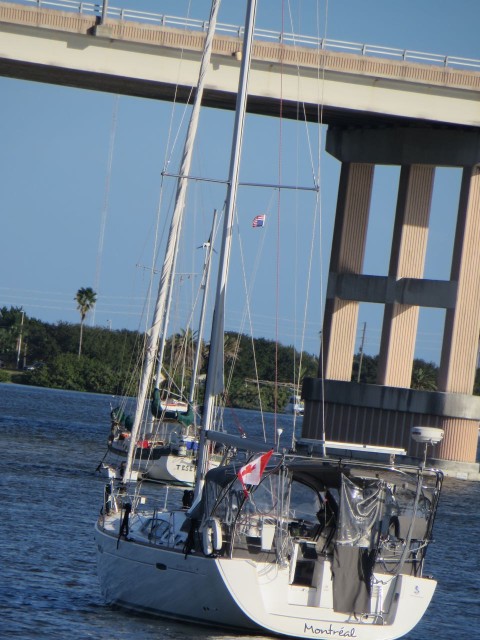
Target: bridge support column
{"points": [[348, 250], [384, 413], [462, 324], [407, 260]]}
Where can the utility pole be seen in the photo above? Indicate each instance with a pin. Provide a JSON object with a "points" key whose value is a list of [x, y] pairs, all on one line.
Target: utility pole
{"points": [[361, 352], [19, 341]]}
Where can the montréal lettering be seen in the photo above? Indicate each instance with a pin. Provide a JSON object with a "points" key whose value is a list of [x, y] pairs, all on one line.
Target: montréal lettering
{"points": [[330, 631]]}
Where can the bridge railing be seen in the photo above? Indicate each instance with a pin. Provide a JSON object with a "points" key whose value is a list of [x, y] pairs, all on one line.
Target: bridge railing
{"points": [[292, 39]]}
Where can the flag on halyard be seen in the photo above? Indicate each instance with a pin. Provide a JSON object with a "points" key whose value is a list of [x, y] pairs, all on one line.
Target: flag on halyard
{"points": [[252, 472], [259, 221]]}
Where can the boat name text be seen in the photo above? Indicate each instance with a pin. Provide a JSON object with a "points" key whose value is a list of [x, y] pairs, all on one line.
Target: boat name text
{"points": [[330, 631], [183, 467]]}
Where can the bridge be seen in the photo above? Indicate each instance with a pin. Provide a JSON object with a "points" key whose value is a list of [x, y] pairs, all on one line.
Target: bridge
{"points": [[413, 110], [158, 57]]}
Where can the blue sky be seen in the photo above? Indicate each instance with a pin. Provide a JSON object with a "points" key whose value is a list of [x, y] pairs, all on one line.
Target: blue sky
{"points": [[60, 187]]}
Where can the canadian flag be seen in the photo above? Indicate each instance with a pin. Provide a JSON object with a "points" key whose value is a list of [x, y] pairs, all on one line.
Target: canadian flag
{"points": [[252, 472]]}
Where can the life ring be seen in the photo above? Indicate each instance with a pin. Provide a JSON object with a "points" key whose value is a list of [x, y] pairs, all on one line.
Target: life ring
{"points": [[212, 537]]}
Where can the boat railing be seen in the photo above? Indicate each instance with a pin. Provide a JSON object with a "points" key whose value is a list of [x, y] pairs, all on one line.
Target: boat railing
{"points": [[291, 39]]}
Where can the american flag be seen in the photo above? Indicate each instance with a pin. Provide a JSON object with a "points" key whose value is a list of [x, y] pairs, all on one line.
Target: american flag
{"points": [[259, 221]]}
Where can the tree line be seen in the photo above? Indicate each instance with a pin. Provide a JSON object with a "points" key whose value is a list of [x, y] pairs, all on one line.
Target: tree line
{"points": [[100, 360], [107, 361]]}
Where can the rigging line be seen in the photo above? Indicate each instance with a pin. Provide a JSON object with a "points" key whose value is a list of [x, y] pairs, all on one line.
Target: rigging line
{"points": [[305, 120], [106, 198], [296, 375], [247, 310], [316, 178], [308, 283], [277, 266], [188, 328], [267, 185], [295, 296], [321, 107], [158, 237], [193, 307], [169, 150], [301, 106], [162, 306]]}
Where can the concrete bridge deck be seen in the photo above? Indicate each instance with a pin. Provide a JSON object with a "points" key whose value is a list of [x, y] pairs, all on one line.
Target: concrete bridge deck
{"points": [[151, 61]]}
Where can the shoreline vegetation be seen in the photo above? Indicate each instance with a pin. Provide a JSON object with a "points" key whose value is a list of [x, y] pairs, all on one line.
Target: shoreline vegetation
{"points": [[41, 354], [47, 355]]}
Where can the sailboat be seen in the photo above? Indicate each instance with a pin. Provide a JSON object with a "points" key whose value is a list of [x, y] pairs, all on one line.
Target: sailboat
{"points": [[165, 441], [290, 543], [167, 450]]}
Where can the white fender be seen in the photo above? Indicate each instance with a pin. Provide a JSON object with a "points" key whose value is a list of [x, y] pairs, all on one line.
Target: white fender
{"points": [[207, 541], [212, 538], [217, 537]]}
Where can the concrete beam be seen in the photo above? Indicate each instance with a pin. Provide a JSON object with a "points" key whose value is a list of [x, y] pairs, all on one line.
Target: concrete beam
{"points": [[452, 405], [405, 145], [152, 61], [436, 294]]}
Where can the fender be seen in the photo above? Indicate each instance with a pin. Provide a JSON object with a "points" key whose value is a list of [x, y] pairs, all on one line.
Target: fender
{"points": [[217, 537], [207, 542], [212, 537]]}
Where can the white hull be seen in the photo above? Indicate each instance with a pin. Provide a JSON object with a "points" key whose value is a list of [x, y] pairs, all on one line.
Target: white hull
{"points": [[172, 468], [168, 467], [296, 611], [163, 466], [235, 593], [167, 584]]}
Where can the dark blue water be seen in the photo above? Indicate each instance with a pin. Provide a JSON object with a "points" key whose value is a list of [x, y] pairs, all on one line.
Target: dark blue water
{"points": [[51, 443]]}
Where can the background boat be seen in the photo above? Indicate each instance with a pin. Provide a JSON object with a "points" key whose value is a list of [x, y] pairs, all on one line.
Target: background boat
{"points": [[295, 405]]}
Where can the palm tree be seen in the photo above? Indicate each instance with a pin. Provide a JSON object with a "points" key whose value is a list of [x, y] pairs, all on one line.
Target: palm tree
{"points": [[86, 299], [424, 375]]}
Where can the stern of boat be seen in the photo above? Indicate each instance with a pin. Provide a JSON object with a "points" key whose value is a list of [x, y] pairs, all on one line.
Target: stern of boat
{"points": [[265, 593]]}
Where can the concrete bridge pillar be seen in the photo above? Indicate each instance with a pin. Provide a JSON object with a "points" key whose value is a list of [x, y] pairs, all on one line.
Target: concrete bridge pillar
{"points": [[407, 260], [383, 414], [460, 339], [348, 250]]}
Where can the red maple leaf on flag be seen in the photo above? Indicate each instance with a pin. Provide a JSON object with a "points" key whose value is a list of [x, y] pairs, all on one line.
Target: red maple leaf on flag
{"points": [[252, 472]]}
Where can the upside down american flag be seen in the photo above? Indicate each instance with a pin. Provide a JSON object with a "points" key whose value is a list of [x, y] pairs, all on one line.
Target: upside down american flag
{"points": [[259, 221]]}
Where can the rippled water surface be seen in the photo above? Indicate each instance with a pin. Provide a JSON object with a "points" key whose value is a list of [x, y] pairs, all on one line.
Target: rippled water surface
{"points": [[52, 442]]}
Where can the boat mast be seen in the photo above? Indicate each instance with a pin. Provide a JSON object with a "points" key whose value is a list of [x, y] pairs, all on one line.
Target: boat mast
{"points": [[214, 384], [168, 268], [205, 285], [183, 184]]}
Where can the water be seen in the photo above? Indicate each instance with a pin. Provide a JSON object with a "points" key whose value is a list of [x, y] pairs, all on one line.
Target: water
{"points": [[52, 442]]}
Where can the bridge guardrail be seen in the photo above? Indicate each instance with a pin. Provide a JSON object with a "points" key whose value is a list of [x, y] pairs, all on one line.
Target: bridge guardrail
{"points": [[291, 39]]}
